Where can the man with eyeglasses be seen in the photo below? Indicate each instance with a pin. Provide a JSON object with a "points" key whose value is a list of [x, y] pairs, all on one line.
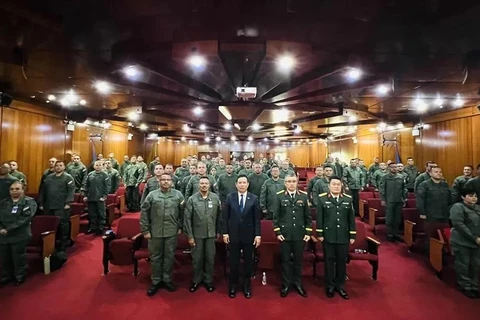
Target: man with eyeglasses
{"points": [[161, 220]]}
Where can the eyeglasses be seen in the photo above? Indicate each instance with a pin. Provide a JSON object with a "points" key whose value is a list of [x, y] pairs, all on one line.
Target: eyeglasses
{"points": [[165, 179]]}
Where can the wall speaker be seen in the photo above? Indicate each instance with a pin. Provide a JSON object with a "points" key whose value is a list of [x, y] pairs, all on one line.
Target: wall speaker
{"points": [[5, 99]]}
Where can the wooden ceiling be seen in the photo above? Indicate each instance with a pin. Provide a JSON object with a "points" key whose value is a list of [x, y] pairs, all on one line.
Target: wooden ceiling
{"points": [[417, 49]]}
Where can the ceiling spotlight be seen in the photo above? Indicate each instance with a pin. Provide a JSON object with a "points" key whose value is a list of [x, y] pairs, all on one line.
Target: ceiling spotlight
{"points": [[400, 125], [285, 63], [51, 97], [47, 101], [237, 126], [198, 111], [64, 102], [256, 126], [207, 139], [227, 126], [71, 97], [186, 128], [83, 102], [33, 97], [131, 72], [277, 140], [353, 74], [382, 89], [196, 61], [218, 139], [421, 105], [223, 142], [134, 116], [458, 102], [202, 127], [250, 138], [183, 138], [103, 87], [382, 125], [352, 118], [298, 129], [265, 139], [224, 110], [143, 127], [438, 102], [233, 138]]}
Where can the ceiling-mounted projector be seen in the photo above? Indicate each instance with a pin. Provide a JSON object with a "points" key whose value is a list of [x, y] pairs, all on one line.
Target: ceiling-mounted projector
{"points": [[246, 93]]}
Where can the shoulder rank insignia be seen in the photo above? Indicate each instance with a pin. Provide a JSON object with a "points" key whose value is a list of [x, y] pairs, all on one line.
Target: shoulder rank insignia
{"points": [[281, 191], [301, 191], [347, 195], [322, 194]]}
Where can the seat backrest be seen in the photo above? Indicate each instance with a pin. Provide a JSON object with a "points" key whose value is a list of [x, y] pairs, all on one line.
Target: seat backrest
{"points": [[365, 195], [141, 187], [268, 235], [120, 191], [313, 213], [77, 197], [411, 195], [370, 189], [42, 224], [360, 237], [376, 195], [411, 203], [375, 203], [128, 227], [302, 172], [182, 242]]}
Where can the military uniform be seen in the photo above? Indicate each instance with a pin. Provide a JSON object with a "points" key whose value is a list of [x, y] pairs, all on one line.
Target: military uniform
{"points": [[371, 171], [181, 173], [162, 217], [57, 192], [268, 196], [123, 167], [474, 184], [114, 163], [226, 185], [96, 188], [114, 179], [412, 173], [255, 182], [45, 174], [284, 173], [355, 180], [16, 218], [421, 178], [311, 183], [336, 224], [5, 184], [293, 221], [144, 168], [393, 191], [193, 185], [457, 186], [78, 171], [201, 223], [20, 176], [152, 184], [377, 176], [151, 167], [245, 171], [132, 178], [321, 186], [466, 230], [182, 185]]}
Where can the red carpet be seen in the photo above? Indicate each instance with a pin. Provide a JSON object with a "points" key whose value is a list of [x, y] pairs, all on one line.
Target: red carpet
{"points": [[406, 289]]}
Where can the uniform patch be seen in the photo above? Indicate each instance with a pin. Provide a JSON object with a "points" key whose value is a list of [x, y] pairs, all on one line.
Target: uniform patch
{"points": [[26, 208], [347, 195], [301, 191], [281, 191], [300, 202]]}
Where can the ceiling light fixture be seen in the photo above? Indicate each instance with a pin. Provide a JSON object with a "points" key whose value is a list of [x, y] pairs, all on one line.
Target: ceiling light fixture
{"points": [[197, 111], [83, 102], [256, 127], [250, 138], [382, 89], [227, 126], [207, 139], [285, 63], [196, 61], [233, 138], [420, 104], [134, 116], [183, 138], [458, 102], [224, 110], [202, 127], [186, 128], [438, 101], [352, 118], [143, 127], [298, 129], [218, 139], [354, 74], [103, 87], [131, 72], [277, 140], [51, 97]]}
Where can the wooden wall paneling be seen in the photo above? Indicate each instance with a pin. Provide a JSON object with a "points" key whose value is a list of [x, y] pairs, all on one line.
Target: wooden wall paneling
{"points": [[475, 144], [136, 146], [368, 147], [81, 144], [116, 141], [406, 144]]}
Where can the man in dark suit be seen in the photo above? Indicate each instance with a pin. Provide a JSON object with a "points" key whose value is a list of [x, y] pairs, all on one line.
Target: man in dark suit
{"points": [[241, 231]]}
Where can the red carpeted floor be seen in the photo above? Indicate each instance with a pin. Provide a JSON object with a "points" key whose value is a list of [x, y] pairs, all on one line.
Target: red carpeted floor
{"points": [[406, 289]]}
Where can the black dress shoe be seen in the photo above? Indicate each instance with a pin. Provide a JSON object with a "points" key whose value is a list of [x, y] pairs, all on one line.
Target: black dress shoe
{"points": [[301, 291], [210, 287], [153, 289], [19, 281], [330, 292], [170, 287], [193, 287], [232, 292], [284, 291], [343, 294], [247, 291]]}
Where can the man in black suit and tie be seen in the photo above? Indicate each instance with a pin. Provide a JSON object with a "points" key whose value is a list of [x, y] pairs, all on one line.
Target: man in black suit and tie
{"points": [[241, 231]]}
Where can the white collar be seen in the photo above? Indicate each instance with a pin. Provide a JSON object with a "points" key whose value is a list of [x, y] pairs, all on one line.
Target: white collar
{"points": [[244, 194]]}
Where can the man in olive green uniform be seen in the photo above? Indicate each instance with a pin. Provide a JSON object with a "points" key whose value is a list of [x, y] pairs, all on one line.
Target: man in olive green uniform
{"points": [[268, 194], [412, 172], [465, 242], [355, 181], [123, 167], [161, 219], [285, 170], [433, 202], [16, 214], [143, 167], [401, 171], [91, 167], [336, 230], [132, 177], [361, 165], [78, 171], [247, 169], [95, 190], [377, 175], [292, 224], [47, 172], [153, 183], [256, 179], [151, 165], [474, 184], [201, 224], [55, 199], [311, 182], [182, 172], [5, 181], [193, 183], [321, 186], [226, 183], [459, 183], [114, 177], [393, 194], [182, 186], [17, 174], [169, 170], [424, 176], [371, 170], [221, 168], [113, 161]]}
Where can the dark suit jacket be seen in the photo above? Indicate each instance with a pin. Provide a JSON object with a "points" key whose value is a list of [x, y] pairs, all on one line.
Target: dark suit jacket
{"points": [[241, 227]]}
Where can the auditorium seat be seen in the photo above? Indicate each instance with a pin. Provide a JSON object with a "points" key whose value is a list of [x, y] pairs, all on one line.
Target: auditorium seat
{"points": [[376, 195], [141, 187], [313, 253], [313, 213], [302, 173], [78, 216], [369, 189], [413, 230], [269, 250], [440, 251], [140, 251], [365, 247], [363, 196], [115, 205], [376, 213], [411, 195], [43, 235], [118, 246]]}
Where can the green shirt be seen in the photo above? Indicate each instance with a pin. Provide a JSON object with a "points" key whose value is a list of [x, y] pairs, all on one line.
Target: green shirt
{"points": [[255, 182], [466, 225], [57, 191], [434, 200], [393, 188], [202, 216], [16, 217]]}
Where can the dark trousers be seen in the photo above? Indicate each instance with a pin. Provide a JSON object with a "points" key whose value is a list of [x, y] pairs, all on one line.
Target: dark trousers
{"points": [[393, 217], [335, 265], [354, 193], [162, 257], [292, 255], [235, 253], [13, 260], [133, 203], [96, 215], [467, 266], [203, 259], [63, 232]]}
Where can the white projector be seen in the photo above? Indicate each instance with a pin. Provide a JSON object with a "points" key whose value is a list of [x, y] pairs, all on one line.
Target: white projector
{"points": [[245, 93]]}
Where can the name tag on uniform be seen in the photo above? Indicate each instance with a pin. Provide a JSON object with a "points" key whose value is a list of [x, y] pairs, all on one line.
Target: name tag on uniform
{"points": [[15, 210], [300, 203], [210, 204]]}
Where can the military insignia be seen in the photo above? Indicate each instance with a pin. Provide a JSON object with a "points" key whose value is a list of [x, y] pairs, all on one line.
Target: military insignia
{"points": [[281, 191], [322, 194], [328, 202], [346, 195], [299, 201], [301, 191]]}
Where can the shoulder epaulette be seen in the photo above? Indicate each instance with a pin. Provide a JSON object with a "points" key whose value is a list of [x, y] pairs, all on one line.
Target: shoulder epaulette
{"points": [[281, 191], [347, 195], [323, 194], [301, 191]]}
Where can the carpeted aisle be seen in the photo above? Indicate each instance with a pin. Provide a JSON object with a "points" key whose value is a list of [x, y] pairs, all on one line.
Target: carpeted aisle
{"points": [[406, 289]]}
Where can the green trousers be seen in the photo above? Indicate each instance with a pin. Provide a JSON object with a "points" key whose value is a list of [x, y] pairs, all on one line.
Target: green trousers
{"points": [[393, 217], [203, 256], [162, 257], [292, 255], [96, 215], [467, 266], [13, 260], [63, 234]]}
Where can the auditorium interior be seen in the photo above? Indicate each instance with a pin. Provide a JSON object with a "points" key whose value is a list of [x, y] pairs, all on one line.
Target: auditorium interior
{"points": [[310, 82]]}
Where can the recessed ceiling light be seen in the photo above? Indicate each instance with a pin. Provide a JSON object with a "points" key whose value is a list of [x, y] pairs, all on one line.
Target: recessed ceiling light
{"points": [[103, 87], [354, 74], [33, 97], [183, 139], [196, 61], [218, 139], [143, 127], [131, 72], [250, 138], [382, 89], [285, 63], [83, 102], [256, 126], [202, 127], [198, 111], [233, 138], [227, 126], [51, 97], [277, 140], [265, 139], [438, 101], [420, 105], [186, 128], [134, 116], [207, 139], [48, 101], [458, 102]]}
